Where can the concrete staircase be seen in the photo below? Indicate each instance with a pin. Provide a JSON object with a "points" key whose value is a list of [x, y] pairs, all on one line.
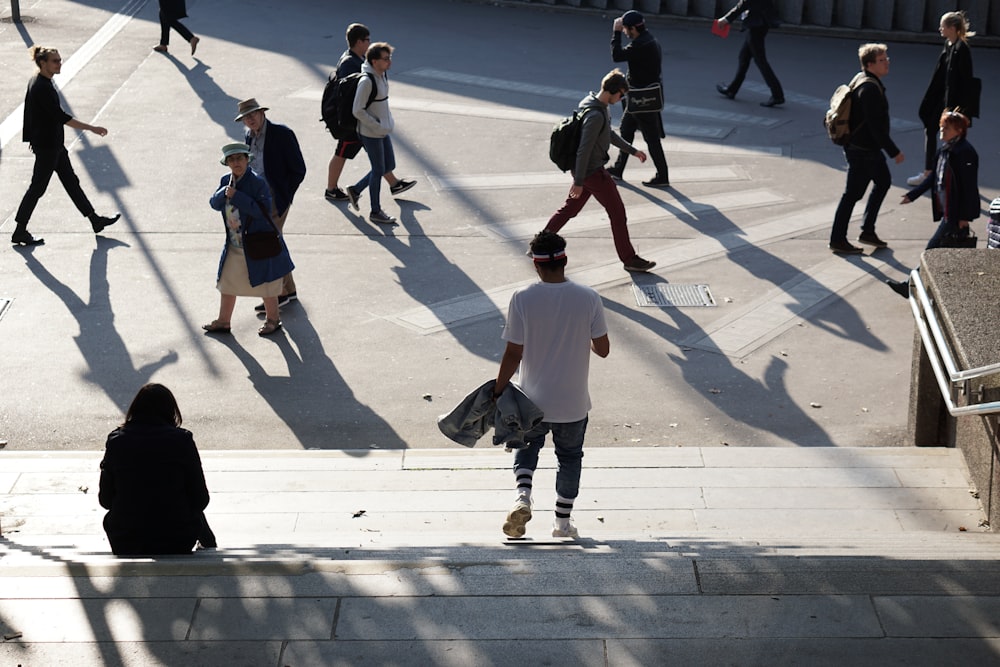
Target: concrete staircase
{"points": [[688, 556]]}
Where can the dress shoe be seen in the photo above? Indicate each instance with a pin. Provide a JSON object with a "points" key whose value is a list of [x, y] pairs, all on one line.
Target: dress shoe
{"points": [[900, 287], [845, 248], [871, 238], [99, 222], [773, 102], [24, 237], [657, 182], [724, 90]]}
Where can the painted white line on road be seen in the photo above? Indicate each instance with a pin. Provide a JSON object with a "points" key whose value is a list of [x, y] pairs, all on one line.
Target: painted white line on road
{"points": [[440, 316], [523, 88], [556, 178], [898, 124], [744, 330], [11, 125], [596, 218]]}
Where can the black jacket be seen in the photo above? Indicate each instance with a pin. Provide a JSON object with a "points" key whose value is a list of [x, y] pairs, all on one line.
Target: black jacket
{"points": [[173, 9], [869, 120], [950, 86], [959, 184], [44, 117], [153, 484], [644, 56]]}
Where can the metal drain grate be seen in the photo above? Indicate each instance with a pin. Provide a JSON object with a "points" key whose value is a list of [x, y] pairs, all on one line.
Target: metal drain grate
{"points": [[666, 295]]}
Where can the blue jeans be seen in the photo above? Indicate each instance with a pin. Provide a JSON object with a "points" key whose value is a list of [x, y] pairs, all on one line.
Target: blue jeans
{"points": [[863, 167], [568, 439], [383, 160]]}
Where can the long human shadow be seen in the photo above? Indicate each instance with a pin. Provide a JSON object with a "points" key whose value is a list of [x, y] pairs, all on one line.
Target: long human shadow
{"points": [[314, 400], [109, 364], [699, 366], [425, 273], [217, 103]]}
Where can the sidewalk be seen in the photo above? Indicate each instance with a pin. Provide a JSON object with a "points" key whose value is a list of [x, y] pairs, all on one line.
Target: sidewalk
{"points": [[689, 556]]}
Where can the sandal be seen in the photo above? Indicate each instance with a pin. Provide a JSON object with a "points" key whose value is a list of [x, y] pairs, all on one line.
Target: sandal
{"points": [[270, 326], [215, 326]]}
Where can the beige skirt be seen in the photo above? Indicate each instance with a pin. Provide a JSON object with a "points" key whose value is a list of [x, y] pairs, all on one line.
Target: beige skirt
{"points": [[235, 278]]}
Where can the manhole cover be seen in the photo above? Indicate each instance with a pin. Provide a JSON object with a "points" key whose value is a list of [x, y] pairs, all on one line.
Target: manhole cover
{"points": [[666, 295]]}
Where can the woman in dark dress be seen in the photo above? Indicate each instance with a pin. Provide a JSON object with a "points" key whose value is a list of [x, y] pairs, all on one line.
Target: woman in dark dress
{"points": [[951, 86], [171, 13], [152, 481]]}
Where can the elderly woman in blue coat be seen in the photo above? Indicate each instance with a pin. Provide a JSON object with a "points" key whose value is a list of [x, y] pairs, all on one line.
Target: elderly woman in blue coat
{"points": [[245, 201]]}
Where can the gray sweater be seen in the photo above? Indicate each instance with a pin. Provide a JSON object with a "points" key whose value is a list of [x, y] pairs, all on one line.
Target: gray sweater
{"points": [[596, 137], [375, 121]]}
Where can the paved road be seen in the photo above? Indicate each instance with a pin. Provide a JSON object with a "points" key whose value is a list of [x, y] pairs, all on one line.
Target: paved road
{"points": [[394, 326]]}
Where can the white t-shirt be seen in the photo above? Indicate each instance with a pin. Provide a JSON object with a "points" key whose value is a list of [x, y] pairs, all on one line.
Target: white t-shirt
{"points": [[555, 323]]}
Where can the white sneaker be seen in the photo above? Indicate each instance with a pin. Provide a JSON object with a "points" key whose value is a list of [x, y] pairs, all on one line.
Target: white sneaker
{"points": [[565, 530], [519, 515], [916, 179]]}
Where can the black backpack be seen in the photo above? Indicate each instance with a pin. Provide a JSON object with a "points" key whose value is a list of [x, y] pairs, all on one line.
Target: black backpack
{"points": [[565, 140], [337, 105]]}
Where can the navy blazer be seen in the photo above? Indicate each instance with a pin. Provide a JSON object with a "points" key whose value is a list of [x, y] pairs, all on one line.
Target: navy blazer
{"points": [[284, 168]]}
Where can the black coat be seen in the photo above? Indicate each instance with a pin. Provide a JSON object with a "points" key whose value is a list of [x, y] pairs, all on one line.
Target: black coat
{"points": [[869, 120], [644, 56], [951, 84], [44, 118], [153, 484], [173, 9], [760, 13], [960, 184]]}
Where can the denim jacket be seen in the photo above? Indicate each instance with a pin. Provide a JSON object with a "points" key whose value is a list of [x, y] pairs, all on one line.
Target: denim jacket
{"points": [[512, 415]]}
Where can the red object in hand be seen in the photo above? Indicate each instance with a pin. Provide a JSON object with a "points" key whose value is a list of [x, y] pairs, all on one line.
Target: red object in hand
{"points": [[720, 29]]}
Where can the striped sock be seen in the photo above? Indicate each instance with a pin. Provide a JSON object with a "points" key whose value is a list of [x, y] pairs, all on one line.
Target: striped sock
{"points": [[524, 476], [564, 506]]}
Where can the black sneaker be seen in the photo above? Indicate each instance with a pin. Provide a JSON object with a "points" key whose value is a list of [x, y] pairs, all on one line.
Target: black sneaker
{"points": [[616, 172], [99, 222], [24, 237], [353, 196], [657, 182], [845, 248], [900, 287], [382, 218], [724, 91], [870, 238], [639, 264], [400, 186], [335, 195]]}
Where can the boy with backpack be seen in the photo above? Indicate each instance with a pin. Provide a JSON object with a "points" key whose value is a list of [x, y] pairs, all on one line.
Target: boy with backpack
{"points": [[868, 129], [589, 175]]}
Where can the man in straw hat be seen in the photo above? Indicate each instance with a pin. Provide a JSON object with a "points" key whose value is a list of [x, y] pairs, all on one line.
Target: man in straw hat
{"points": [[278, 160]]}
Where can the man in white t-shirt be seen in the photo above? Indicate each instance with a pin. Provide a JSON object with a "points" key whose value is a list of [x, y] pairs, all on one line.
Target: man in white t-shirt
{"points": [[552, 327]]}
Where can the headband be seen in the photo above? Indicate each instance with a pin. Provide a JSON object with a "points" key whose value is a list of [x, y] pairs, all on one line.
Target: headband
{"points": [[541, 258]]}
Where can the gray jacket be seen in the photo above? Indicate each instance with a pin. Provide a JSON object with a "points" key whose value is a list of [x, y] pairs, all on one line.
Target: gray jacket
{"points": [[596, 137], [375, 121], [512, 415]]}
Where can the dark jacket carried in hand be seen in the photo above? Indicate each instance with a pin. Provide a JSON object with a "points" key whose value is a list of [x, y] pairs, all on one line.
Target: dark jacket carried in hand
{"points": [[958, 185], [153, 484], [869, 120]]}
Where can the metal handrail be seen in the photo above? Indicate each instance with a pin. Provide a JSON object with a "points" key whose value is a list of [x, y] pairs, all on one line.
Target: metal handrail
{"points": [[939, 354]]}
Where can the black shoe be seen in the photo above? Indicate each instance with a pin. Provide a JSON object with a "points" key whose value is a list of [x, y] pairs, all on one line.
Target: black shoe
{"points": [[616, 172], [773, 102], [870, 238], [900, 287], [638, 264], [400, 186], [99, 222], [657, 182], [353, 196], [282, 302], [335, 195], [845, 248], [724, 90], [24, 237]]}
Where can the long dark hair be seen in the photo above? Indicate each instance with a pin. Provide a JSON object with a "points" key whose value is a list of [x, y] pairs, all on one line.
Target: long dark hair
{"points": [[154, 404]]}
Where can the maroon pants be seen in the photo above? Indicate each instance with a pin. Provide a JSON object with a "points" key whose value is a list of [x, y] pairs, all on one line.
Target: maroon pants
{"points": [[603, 188]]}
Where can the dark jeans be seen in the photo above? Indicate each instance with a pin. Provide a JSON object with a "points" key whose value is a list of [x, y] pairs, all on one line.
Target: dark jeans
{"points": [[753, 49], [651, 126], [166, 24], [568, 440], [602, 187], [47, 162], [863, 167]]}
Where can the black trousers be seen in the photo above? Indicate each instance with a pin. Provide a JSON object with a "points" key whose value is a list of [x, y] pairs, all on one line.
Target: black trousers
{"points": [[47, 162], [651, 126], [166, 24], [863, 167], [753, 49]]}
